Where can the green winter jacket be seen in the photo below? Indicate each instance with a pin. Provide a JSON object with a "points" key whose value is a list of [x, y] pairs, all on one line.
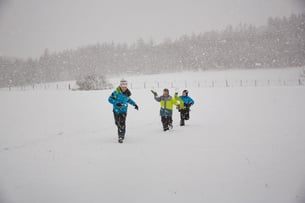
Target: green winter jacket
{"points": [[166, 103]]}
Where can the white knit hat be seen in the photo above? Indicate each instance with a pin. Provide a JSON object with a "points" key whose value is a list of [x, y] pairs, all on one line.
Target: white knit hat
{"points": [[123, 83]]}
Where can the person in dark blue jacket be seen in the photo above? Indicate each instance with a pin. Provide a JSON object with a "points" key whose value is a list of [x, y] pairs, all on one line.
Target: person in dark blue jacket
{"points": [[187, 103], [120, 98]]}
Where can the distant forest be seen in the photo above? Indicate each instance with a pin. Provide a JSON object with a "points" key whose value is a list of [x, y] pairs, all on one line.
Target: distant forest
{"points": [[280, 43]]}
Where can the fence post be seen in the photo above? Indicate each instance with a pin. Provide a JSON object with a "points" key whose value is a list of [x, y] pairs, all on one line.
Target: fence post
{"points": [[144, 85], [213, 83], [158, 84], [300, 83], [268, 83], [227, 84], [255, 83], [198, 84]]}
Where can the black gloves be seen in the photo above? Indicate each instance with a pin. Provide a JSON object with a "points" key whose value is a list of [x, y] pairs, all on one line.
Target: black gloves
{"points": [[119, 105], [154, 93]]}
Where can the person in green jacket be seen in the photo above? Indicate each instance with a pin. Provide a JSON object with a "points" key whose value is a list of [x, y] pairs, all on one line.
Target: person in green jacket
{"points": [[166, 110]]}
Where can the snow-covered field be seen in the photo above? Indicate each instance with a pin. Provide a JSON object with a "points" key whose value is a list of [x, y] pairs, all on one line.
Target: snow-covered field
{"points": [[242, 145], [201, 79], [221, 78]]}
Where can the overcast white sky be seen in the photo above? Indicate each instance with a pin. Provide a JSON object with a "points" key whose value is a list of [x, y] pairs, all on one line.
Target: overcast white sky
{"points": [[27, 27]]}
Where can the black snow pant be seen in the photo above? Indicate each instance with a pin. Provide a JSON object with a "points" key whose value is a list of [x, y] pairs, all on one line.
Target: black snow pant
{"points": [[120, 122], [167, 122], [184, 115]]}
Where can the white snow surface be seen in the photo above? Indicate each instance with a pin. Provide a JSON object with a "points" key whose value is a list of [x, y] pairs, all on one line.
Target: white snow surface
{"points": [[241, 145]]}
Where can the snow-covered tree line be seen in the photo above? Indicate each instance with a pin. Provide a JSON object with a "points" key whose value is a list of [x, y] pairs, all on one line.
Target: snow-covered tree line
{"points": [[281, 43]]}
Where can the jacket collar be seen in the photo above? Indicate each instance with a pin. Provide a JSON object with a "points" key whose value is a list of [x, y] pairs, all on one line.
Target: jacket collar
{"points": [[166, 97], [127, 92]]}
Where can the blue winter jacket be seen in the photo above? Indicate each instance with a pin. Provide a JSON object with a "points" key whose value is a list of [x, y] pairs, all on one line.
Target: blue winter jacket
{"points": [[120, 97], [187, 100]]}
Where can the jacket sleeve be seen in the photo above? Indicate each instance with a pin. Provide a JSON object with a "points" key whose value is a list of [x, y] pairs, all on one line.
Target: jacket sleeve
{"points": [[112, 98], [192, 101], [175, 101], [181, 102], [158, 99], [130, 101]]}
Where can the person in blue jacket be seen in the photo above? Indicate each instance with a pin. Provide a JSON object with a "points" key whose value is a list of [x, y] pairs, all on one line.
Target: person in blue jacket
{"points": [[187, 103], [120, 98]]}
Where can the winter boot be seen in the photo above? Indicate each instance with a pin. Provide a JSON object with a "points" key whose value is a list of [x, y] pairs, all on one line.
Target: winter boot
{"points": [[182, 122], [121, 140], [165, 129]]}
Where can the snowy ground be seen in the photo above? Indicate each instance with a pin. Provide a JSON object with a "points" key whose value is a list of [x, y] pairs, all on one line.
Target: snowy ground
{"points": [[242, 145], [200, 79], [221, 78]]}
